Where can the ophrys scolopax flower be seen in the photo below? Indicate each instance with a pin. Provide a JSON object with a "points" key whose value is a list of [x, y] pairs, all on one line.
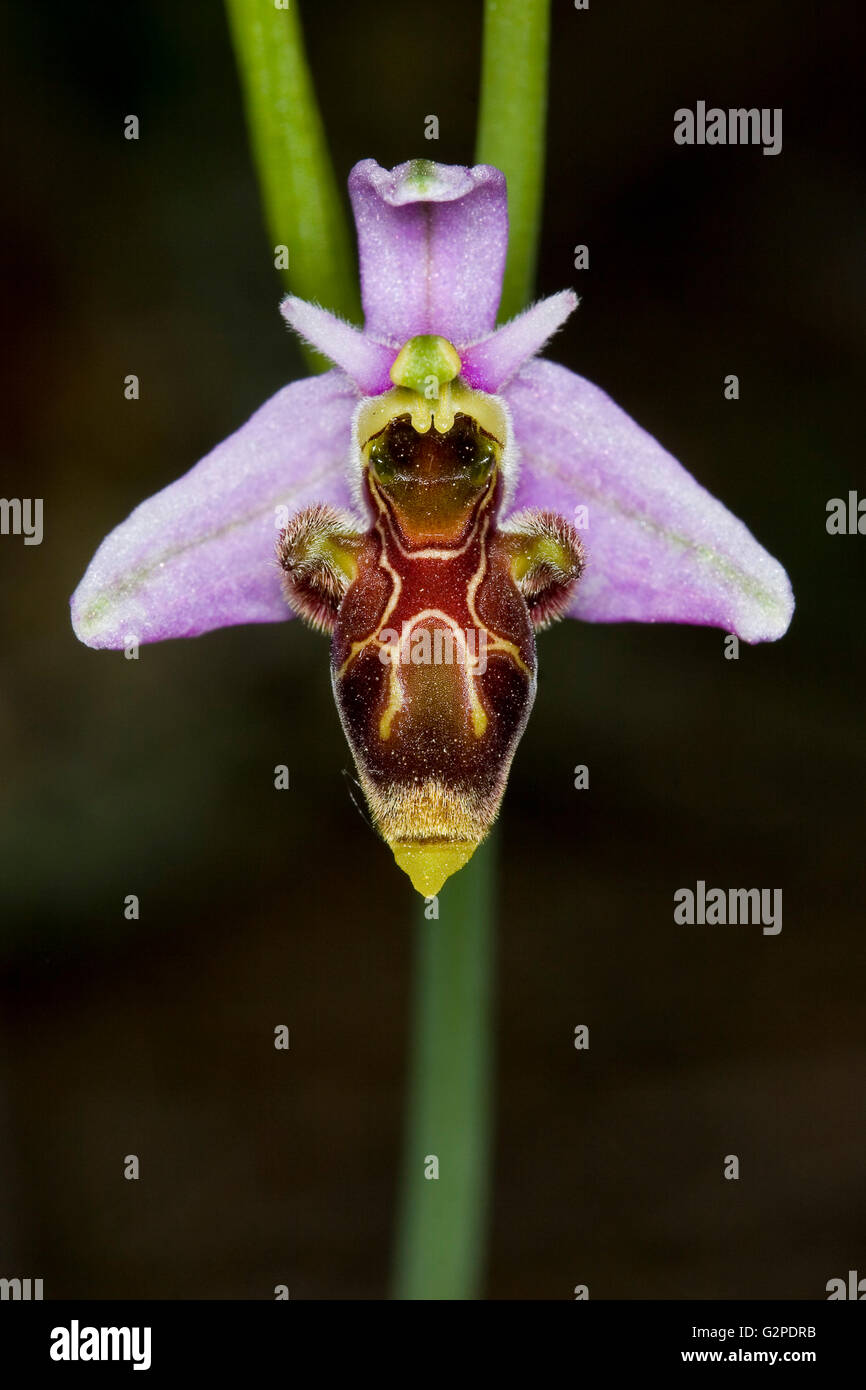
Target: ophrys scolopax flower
{"points": [[427, 491]]}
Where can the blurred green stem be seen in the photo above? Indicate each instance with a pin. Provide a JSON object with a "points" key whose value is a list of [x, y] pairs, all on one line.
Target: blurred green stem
{"points": [[443, 1220], [511, 128], [301, 198], [440, 1249]]}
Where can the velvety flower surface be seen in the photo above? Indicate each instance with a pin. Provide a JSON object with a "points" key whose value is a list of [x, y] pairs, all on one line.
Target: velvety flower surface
{"points": [[432, 242]]}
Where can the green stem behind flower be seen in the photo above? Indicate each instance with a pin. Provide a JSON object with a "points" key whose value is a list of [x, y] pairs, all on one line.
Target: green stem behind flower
{"points": [[440, 1250], [299, 191], [511, 129], [442, 1230]]}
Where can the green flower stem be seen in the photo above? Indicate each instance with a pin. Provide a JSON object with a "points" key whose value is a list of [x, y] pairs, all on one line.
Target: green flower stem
{"points": [[511, 128], [441, 1236], [302, 203], [443, 1220]]}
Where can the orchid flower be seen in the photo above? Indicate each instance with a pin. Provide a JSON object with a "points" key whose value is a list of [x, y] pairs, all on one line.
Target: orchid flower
{"points": [[432, 502]]}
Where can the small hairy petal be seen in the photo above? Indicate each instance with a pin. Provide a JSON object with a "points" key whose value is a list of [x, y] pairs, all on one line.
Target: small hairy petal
{"points": [[200, 554], [317, 555], [547, 559], [432, 240], [488, 365], [659, 547], [364, 360]]}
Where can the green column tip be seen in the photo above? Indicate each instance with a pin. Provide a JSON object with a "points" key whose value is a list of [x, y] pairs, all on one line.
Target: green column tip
{"points": [[422, 359]]}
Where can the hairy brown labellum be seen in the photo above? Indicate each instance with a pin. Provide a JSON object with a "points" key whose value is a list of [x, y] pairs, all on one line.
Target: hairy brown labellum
{"points": [[432, 610]]}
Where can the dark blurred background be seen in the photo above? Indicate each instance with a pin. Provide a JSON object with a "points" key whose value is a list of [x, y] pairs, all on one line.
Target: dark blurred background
{"points": [[259, 907]]}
